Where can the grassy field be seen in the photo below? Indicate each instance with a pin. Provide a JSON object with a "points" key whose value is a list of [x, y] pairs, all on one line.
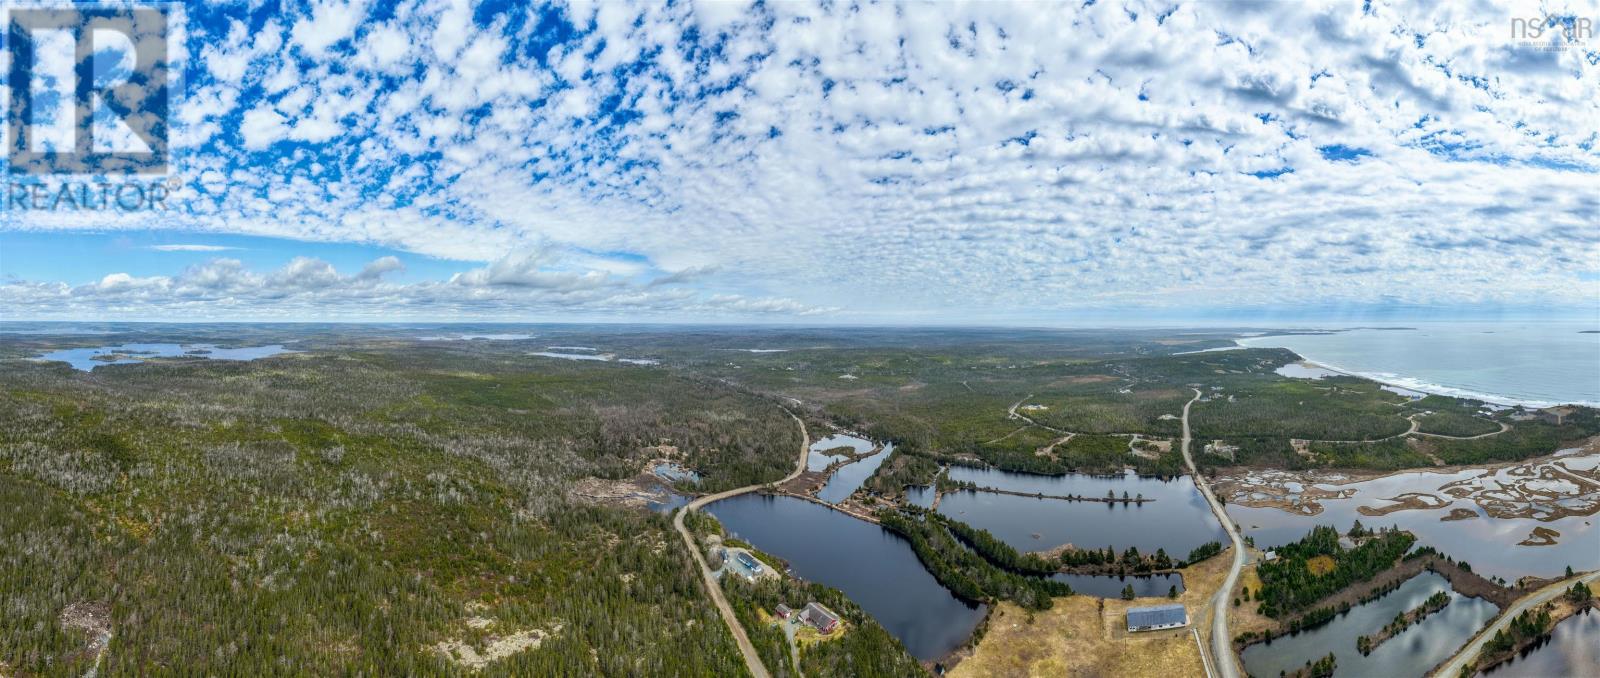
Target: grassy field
{"points": [[1087, 636]]}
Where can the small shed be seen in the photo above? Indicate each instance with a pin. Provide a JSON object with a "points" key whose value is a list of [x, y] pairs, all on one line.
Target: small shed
{"points": [[783, 611], [1157, 617]]}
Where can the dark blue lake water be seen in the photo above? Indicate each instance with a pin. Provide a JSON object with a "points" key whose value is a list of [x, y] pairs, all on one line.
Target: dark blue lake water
{"points": [[86, 358], [874, 567]]}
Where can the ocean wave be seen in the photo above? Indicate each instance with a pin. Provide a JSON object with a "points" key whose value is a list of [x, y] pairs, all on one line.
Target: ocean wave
{"points": [[1498, 395], [1415, 384]]}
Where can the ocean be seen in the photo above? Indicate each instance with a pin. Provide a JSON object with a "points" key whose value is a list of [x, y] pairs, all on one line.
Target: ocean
{"points": [[1530, 364]]}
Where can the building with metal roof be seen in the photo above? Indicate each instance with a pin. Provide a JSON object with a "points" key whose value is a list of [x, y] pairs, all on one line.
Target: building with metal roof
{"points": [[1157, 617], [750, 563], [821, 617]]}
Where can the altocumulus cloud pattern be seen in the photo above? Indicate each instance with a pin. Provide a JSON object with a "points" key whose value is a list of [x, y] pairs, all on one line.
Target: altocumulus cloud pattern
{"points": [[885, 161]]}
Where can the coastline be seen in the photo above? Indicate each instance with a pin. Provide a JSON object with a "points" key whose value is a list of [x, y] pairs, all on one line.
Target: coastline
{"points": [[1413, 383], [1430, 388]]}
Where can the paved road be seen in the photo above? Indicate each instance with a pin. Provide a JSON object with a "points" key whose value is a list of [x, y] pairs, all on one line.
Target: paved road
{"points": [[1221, 641], [1469, 652], [752, 660]]}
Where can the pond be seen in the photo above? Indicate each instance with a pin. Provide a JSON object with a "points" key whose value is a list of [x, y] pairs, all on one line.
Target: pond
{"points": [[86, 359], [856, 445], [1111, 586], [874, 567], [920, 495], [818, 460], [1304, 371], [1490, 545], [1571, 650], [668, 502], [1411, 653], [1178, 520], [849, 477]]}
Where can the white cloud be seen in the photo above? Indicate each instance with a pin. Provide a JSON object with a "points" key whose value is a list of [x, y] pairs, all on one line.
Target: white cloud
{"points": [[535, 268], [955, 158], [262, 127], [378, 267], [308, 287], [192, 248], [329, 23]]}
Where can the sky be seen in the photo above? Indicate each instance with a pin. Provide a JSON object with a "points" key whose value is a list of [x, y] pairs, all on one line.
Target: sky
{"points": [[994, 163]]}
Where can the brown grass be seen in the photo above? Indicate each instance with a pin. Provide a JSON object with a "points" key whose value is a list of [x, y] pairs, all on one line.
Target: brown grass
{"points": [[805, 635], [1086, 636], [1244, 618], [1320, 565]]}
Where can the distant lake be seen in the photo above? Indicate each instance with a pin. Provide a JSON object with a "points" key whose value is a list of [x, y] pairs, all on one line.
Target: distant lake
{"points": [[596, 357], [1514, 363], [873, 566], [818, 459], [476, 337], [86, 359], [1178, 520], [856, 445], [849, 477], [1298, 371]]}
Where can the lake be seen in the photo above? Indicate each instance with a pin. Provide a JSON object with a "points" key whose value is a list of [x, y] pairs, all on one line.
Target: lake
{"points": [[1572, 650], [874, 567], [1177, 521], [1111, 586], [1534, 364], [86, 359], [818, 460], [1411, 653], [920, 495], [1301, 371], [595, 357], [848, 478], [668, 502], [476, 337]]}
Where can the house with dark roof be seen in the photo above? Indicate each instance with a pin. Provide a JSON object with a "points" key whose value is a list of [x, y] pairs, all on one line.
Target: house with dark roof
{"points": [[1157, 617], [821, 617]]}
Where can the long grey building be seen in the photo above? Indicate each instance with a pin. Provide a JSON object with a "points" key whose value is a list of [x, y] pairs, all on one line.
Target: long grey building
{"points": [[1157, 617]]}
